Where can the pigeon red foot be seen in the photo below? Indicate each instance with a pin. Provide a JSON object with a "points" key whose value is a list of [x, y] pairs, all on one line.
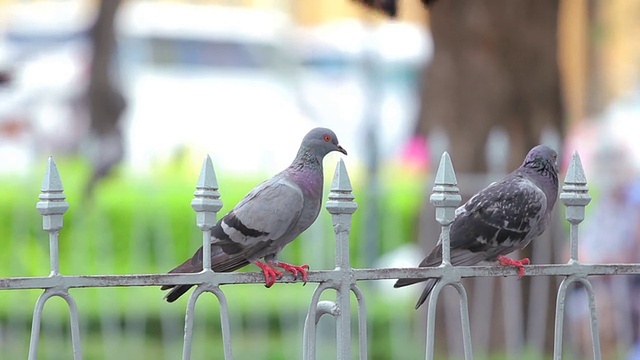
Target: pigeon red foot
{"points": [[505, 261], [270, 274], [302, 269]]}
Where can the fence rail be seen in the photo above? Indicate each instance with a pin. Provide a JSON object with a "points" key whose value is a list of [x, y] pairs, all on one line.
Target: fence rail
{"points": [[343, 279]]}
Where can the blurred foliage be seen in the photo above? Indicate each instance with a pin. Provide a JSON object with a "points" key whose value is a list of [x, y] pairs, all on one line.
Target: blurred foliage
{"points": [[146, 225], [143, 225]]}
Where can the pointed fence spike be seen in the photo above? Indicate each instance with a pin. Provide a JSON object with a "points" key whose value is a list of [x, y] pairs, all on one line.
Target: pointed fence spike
{"points": [[575, 196], [341, 180], [52, 204], [575, 192], [52, 181], [206, 202], [341, 197], [446, 195], [445, 175], [207, 179], [575, 172]]}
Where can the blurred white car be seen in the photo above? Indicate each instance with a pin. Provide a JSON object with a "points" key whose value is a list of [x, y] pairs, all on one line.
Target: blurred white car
{"points": [[211, 79]]}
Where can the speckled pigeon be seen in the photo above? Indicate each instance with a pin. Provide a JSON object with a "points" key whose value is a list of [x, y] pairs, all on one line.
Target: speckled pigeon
{"points": [[272, 215], [503, 217]]}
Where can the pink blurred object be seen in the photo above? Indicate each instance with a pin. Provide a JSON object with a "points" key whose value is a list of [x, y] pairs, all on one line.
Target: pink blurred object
{"points": [[415, 154]]}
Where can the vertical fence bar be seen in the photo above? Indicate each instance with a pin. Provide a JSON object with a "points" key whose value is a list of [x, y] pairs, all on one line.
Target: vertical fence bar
{"points": [[188, 323], [310, 322], [341, 206], [74, 324], [559, 322], [595, 336], [575, 196], [464, 319], [445, 198], [513, 315], [206, 204], [362, 322], [52, 206], [431, 320], [224, 320]]}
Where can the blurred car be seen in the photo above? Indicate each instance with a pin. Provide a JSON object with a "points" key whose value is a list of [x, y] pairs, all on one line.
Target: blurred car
{"points": [[213, 79]]}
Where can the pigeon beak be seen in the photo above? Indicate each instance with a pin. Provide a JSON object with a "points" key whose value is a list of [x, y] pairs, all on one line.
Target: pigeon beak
{"points": [[342, 150]]}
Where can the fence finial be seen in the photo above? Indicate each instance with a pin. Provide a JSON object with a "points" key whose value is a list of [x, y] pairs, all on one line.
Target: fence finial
{"points": [[52, 204], [445, 198], [575, 192], [340, 197], [575, 196], [206, 203], [446, 195], [207, 198], [207, 178]]}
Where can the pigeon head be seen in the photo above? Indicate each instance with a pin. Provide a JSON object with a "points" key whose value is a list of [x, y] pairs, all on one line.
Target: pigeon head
{"points": [[543, 162], [542, 158], [319, 142]]}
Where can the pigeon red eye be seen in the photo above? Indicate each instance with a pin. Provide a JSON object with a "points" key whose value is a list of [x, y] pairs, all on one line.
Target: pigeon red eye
{"points": [[327, 138]]}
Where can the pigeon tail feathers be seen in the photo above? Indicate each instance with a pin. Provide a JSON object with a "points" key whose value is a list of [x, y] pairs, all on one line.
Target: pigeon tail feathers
{"points": [[431, 283]]}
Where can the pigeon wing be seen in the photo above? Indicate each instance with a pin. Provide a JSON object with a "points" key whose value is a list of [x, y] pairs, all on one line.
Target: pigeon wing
{"points": [[501, 218], [266, 214], [498, 220]]}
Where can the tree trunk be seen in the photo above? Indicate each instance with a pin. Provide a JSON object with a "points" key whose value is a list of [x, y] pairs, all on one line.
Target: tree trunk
{"points": [[495, 64], [105, 101]]}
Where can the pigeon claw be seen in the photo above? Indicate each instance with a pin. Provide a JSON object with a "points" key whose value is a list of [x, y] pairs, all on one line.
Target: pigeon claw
{"points": [[293, 269], [270, 274], [505, 261]]}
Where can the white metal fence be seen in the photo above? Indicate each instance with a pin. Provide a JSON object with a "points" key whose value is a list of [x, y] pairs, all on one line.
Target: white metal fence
{"points": [[343, 280]]}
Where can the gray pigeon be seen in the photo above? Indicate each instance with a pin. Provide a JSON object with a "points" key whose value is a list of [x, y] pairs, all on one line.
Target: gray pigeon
{"points": [[503, 217], [272, 215]]}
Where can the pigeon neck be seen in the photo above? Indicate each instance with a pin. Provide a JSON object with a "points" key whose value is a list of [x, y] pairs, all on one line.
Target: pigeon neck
{"points": [[306, 158], [306, 171], [547, 179]]}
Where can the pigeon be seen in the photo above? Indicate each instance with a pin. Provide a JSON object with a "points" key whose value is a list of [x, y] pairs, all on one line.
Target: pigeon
{"points": [[503, 217], [272, 215]]}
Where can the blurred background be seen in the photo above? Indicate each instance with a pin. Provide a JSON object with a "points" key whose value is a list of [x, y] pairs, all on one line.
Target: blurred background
{"points": [[130, 96]]}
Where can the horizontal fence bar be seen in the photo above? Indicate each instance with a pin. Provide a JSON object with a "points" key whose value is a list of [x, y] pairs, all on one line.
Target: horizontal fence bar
{"points": [[83, 281]]}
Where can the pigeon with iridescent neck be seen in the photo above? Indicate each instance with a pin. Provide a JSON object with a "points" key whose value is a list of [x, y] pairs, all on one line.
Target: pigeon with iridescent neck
{"points": [[502, 218], [272, 215]]}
